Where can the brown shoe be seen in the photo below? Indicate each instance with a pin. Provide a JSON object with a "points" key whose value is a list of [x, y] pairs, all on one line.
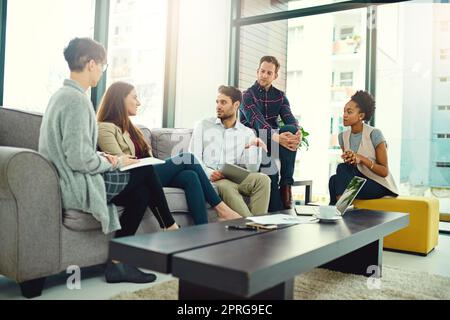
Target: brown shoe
{"points": [[286, 196]]}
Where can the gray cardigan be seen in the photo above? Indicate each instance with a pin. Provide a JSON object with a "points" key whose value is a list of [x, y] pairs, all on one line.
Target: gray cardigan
{"points": [[68, 138]]}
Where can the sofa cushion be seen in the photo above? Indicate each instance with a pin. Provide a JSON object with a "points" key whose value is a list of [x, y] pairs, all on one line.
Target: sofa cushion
{"points": [[176, 198], [147, 133], [19, 129], [81, 221], [170, 142]]}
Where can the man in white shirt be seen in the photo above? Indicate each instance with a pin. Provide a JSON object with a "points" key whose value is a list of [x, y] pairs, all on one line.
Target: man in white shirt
{"points": [[224, 139]]}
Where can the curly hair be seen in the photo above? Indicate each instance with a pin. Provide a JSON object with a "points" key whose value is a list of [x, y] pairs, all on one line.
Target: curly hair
{"points": [[365, 102]]}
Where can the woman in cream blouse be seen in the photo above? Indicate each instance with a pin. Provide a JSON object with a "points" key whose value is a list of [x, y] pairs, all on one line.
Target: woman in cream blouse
{"points": [[364, 153]]}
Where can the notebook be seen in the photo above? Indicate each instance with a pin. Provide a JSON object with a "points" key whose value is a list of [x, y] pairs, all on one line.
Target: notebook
{"points": [[142, 163]]}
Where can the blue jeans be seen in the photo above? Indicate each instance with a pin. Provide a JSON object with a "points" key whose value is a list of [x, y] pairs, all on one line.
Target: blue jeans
{"points": [[185, 172], [287, 162], [344, 174]]}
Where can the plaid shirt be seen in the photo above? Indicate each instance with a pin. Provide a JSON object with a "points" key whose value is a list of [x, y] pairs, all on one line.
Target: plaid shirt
{"points": [[115, 182], [260, 109]]}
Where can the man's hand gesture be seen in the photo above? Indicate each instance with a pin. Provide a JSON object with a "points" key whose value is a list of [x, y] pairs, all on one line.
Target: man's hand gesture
{"points": [[216, 176], [257, 143]]}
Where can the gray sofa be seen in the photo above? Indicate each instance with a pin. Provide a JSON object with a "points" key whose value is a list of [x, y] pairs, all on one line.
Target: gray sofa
{"points": [[37, 238]]}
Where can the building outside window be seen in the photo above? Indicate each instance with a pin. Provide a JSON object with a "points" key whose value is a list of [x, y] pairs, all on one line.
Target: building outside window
{"points": [[413, 94], [311, 56], [136, 49], [332, 69], [327, 64]]}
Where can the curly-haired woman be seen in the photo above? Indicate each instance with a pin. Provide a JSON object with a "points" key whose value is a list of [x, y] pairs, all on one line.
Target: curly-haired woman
{"points": [[364, 153]]}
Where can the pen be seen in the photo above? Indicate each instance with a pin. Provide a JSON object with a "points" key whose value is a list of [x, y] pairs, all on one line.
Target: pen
{"points": [[249, 228]]}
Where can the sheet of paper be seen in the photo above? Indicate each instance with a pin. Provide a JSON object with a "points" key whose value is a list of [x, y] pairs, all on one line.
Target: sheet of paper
{"points": [[142, 163], [281, 219]]}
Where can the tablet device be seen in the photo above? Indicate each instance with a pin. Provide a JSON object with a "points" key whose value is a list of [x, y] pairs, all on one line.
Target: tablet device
{"points": [[234, 173]]}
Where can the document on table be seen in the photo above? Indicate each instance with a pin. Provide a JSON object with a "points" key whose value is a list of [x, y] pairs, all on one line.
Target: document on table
{"points": [[281, 219]]}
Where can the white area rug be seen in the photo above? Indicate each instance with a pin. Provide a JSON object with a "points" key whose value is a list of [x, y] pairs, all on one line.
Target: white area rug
{"points": [[321, 284]]}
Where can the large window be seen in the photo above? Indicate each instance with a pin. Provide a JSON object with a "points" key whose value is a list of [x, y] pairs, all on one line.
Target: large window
{"points": [[136, 53], [260, 40], [331, 60], [37, 32], [323, 59], [413, 96], [322, 65]]}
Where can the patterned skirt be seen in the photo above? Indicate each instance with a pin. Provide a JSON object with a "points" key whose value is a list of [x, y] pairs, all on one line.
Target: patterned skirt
{"points": [[115, 182]]}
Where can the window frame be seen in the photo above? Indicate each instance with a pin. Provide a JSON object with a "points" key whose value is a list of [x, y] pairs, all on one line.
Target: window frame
{"points": [[101, 32], [237, 22]]}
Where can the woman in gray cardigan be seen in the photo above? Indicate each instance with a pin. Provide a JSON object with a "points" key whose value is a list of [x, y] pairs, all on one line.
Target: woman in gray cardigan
{"points": [[90, 182]]}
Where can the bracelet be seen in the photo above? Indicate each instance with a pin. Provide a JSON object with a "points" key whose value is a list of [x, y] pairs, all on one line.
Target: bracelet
{"points": [[373, 163]]}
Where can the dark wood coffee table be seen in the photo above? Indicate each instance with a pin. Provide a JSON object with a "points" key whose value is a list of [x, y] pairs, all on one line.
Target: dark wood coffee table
{"points": [[154, 251], [214, 263]]}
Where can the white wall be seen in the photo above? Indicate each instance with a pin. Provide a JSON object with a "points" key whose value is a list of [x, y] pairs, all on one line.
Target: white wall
{"points": [[203, 57]]}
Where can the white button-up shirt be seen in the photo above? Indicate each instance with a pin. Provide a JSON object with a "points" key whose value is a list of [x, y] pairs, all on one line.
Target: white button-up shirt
{"points": [[214, 145]]}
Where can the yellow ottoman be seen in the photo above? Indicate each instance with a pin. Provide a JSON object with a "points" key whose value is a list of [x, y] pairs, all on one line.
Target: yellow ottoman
{"points": [[421, 236]]}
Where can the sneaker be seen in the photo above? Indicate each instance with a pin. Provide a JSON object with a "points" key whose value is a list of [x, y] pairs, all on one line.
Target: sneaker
{"points": [[120, 272]]}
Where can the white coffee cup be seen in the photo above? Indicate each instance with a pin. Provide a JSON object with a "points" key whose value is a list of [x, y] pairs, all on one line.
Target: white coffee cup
{"points": [[327, 212]]}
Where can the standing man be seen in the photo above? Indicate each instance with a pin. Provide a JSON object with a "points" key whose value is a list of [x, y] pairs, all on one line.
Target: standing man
{"points": [[224, 139], [262, 105]]}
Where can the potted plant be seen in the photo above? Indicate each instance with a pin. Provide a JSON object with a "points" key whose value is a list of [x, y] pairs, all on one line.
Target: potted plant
{"points": [[304, 142]]}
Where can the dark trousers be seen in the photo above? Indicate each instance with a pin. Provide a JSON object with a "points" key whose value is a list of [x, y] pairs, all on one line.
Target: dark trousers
{"points": [[185, 172], [143, 190], [286, 158], [344, 174]]}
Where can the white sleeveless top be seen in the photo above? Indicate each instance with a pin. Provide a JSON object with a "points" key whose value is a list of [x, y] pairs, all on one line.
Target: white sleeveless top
{"points": [[367, 150]]}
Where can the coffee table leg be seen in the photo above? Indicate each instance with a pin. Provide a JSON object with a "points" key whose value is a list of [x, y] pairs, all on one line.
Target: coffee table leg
{"points": [[189, 291], [363, 261]]}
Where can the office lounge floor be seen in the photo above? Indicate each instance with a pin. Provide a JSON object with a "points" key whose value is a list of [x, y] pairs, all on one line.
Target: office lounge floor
{"points": [[93, 286]]}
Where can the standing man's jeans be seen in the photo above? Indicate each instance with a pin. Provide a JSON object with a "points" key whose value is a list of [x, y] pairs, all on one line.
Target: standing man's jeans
{"points": [[269, 167]]}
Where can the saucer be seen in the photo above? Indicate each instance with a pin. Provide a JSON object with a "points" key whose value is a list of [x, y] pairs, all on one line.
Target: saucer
{"points": [[332, 219]]}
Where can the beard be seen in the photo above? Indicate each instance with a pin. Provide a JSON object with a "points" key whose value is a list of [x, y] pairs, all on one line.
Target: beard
{"points": [[225, 116]]}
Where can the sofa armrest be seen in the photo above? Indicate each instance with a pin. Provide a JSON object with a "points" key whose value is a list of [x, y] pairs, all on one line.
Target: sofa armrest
{"points": [[30, 215]]}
